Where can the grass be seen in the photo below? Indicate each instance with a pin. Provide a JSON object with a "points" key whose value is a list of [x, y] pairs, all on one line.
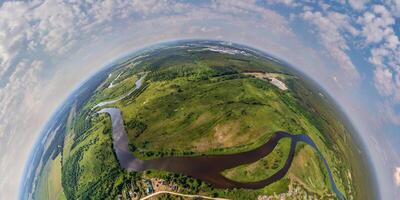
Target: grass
{"points": [[50, 181], [120, 88], [262, 168], [202, 103], [223, 114], [277, 187], [333, 137], [212, 113], [308, 170], [171, 108], [69, 136], [92, 170]]}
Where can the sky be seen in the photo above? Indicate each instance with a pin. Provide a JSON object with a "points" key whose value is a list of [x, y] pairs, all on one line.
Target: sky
{"points": [[351, 48]]}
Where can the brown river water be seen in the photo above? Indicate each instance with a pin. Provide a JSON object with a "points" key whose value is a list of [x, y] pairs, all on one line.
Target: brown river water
{"points": [[209, 168]]}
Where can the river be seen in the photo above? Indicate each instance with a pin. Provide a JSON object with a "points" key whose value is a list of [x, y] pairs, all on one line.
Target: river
{"points": [[208, 168], [138, 84]]}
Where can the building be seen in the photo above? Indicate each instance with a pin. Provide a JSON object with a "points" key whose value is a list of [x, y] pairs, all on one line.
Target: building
{"points": [[149, 188]]}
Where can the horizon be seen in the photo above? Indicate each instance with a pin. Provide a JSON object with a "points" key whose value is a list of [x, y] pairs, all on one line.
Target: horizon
{"points": [[348, 49], [107, 68]]}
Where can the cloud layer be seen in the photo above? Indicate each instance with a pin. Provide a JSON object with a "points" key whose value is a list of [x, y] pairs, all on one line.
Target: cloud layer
{"points": [[36, 37], [38, 40], [369, 28]]}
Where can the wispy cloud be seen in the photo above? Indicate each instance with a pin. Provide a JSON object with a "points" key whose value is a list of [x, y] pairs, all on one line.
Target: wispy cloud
{"points": [[358, 4], [370, 28], [377, 29], [330, 27], [36, 36]]}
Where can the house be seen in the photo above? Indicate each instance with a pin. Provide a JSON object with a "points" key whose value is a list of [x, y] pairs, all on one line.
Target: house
{"points": [[149, 188]]}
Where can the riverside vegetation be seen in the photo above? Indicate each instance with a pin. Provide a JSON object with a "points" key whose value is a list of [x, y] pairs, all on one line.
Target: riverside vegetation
{"points": [[196, 101]]}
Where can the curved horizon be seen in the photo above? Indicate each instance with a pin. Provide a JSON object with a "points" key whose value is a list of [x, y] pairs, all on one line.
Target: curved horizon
{"points": [[48, 50], [127, 56]]}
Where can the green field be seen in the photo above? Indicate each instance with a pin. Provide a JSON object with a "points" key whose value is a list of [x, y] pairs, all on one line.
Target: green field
{"points": [[218, 115], [201, 103], [50, 181], [308, 169], [218, 110], [262, 168]]}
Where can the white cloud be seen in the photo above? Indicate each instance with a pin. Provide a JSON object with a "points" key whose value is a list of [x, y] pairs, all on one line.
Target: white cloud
{"points": [[330, 28], [397, 176], [394, 6], [377, 24], [289, 3], [384, 81], [35, 36], [373, 31], [358, 4], [378, 31]]}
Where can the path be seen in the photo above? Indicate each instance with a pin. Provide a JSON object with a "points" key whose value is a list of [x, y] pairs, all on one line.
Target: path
{"points": [[180, 194]]}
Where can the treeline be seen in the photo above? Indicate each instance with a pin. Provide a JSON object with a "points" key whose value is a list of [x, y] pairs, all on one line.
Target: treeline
{"points": [[158, 154], [131, 97], [187, 184], [195, 73], [70, 174], [183, 182], [109, 180], [81, 124], [136, 127], [171, 73]]}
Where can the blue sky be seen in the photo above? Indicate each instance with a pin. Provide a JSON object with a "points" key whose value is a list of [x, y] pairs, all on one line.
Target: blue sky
{"points": [[350, 47]]}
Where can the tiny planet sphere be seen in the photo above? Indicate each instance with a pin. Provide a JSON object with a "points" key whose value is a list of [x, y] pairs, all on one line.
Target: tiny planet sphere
{"points": [[198, 119]]}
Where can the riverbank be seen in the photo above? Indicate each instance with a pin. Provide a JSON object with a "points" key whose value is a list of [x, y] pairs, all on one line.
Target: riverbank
{"points": [[209, 168]]}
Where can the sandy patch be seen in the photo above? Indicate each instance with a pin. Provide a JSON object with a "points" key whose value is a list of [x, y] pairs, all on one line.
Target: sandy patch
{"points": [[271, 77], [202, 119], [226, 133], [223, 136]]}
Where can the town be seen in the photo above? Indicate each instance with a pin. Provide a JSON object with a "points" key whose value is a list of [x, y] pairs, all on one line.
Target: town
{"points": [[154, 188]]}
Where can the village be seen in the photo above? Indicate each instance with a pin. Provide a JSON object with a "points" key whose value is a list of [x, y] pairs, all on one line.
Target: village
{"points": [[152, 188], [148, 186], [297, 191]]}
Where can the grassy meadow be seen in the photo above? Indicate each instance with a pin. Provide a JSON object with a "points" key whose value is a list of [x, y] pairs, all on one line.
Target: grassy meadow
{"points": [[200, 103], [262, 168]]}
